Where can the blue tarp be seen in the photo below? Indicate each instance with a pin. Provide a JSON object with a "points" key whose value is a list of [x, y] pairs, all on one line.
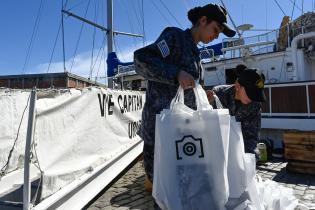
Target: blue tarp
{"points": [[113, 62]]}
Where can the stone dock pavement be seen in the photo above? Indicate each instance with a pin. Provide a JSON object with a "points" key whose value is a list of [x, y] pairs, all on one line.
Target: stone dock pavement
{"points": [[128, 192]]}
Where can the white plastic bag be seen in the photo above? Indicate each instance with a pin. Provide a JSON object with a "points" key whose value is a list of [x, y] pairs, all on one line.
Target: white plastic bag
{"points": [[251, 189], [190, 162], [247, 190], [241, 170], [236, 168], [275, 196]]}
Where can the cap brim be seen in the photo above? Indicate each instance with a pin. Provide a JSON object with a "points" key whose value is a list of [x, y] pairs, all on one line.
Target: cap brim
{"points": [[228, 31]]}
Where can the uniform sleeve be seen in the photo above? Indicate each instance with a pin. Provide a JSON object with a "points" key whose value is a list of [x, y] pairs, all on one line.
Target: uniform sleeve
{"points": [[251, 125], [153, 61], [220, 92]]}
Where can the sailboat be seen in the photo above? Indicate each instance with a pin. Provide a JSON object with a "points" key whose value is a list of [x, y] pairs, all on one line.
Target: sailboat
{"points": [[60, 147]]}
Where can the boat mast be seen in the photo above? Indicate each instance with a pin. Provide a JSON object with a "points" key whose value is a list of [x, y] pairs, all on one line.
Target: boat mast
{"points": [[232, 21], [110, 26], [109, 30], [110, 36]]}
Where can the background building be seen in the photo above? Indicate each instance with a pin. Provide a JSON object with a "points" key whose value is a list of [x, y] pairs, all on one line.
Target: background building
{"points": [[46, 80]]}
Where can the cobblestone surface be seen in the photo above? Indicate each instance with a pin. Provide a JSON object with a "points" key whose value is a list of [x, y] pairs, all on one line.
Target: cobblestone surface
{"points": [[302, 184], [128, 192]]}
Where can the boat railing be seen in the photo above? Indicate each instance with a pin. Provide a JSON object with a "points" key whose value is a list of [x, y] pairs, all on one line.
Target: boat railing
{"points": [[294, 99], [125, 70], [234, 48], [206, 55], [264, 49], [121, 73], [273, 41]]}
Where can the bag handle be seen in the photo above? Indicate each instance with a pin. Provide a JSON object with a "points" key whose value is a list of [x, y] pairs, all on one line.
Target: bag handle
{"points": [[218, 102], [201, 99], [200, 96], [179, 97]]}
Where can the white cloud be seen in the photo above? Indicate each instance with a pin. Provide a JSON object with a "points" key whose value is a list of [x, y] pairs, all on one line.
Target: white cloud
{"points": [[127, 54], [82, 63]]}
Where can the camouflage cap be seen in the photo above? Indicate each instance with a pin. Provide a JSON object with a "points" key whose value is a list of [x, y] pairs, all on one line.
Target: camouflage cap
{"points": [[253, 82]]}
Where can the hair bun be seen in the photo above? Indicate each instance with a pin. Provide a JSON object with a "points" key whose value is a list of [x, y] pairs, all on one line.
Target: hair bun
{"points": [[194, 14]]}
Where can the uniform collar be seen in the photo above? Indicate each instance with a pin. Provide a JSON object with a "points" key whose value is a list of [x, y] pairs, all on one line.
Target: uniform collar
{"points": [[189, 37], [230, 91]]}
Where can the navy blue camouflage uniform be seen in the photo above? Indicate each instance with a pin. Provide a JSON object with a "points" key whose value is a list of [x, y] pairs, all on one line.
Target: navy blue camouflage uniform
{"points": [[160, 63], [249, 115]]}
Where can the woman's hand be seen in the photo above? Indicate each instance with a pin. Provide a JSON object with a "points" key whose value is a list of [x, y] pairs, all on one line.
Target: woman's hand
{"points": [[210, 95], [185, 80]]}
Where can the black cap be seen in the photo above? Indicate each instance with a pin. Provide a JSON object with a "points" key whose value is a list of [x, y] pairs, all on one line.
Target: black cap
{"points": [[219, 14], [253, 82], [239, 69]]}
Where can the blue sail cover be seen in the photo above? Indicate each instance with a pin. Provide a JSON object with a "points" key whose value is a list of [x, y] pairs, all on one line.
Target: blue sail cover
{"points": [[113, 62]]}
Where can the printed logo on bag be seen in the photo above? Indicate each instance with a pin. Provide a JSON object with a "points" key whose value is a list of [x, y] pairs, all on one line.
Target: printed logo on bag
{"points": [[189, 146], [162, 45]]}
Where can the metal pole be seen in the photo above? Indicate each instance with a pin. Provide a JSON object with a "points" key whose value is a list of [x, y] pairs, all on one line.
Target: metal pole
{"points": [[236, 29], [29, 138], [63, 42], [122, 83], [270, 102], [308, 102], [303, 40], [288, 32], [110, 26], [110, 81], [99, 26]]}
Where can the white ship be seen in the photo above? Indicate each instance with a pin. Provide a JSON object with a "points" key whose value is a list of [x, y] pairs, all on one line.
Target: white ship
{"points": [[286, 56]]}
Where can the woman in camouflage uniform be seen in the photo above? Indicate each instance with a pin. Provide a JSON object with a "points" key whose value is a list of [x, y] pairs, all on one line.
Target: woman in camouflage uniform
{"points": [[173, 60], [243, 99]]}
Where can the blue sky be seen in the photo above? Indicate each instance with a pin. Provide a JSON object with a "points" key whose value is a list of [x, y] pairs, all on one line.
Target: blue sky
{"points": [[17, 20]]}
